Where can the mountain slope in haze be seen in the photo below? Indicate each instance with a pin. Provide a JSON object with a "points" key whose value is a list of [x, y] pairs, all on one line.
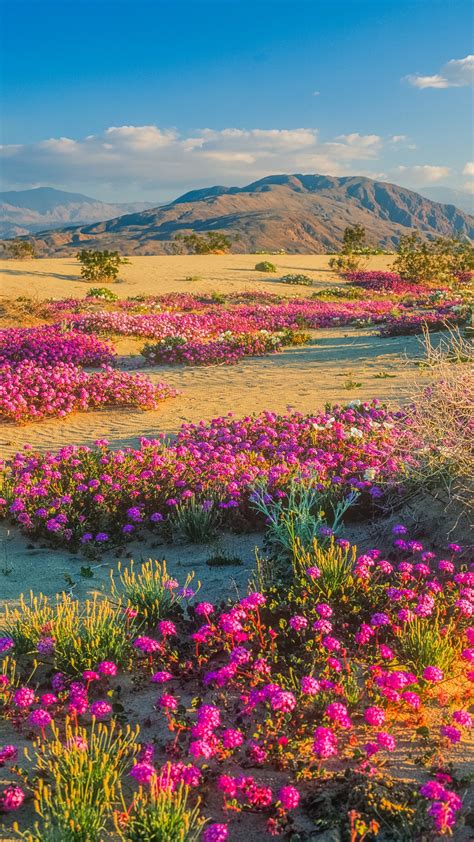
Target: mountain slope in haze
{"points": [[459, 198], [298, 213], [27, 211]]}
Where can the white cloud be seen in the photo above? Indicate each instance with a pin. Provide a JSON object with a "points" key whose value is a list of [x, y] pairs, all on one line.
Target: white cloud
{"points": [[456, 73], [148, 158], [469, 168], [424, 173]]}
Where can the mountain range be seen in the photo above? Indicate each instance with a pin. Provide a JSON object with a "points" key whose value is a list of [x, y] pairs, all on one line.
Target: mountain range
{"points": [[297, 213], [28, 211]]}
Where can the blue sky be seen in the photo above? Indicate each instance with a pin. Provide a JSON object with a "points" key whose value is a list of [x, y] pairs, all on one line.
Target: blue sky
{"points": [[143, 99]]}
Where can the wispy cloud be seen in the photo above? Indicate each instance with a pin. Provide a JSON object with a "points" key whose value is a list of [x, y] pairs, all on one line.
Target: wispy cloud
{"points": [[456, 73]]}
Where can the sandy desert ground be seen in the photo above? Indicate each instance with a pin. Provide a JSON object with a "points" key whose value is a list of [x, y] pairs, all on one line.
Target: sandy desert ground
{"points": [[299, 378]]}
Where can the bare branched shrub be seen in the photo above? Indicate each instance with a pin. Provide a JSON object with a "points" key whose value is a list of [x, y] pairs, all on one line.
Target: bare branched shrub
{"points": [[439, 433]]}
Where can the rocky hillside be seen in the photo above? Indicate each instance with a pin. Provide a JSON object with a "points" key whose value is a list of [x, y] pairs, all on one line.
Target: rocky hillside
{"points": [[298, 213], [28, 211]]}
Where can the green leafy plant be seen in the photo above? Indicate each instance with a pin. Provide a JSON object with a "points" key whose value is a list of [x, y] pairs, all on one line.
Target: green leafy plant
{"points": [[149, 591], [265, 266], [430, 642], [298, 519], [102, 293], [100, 265], [211, 242], [18, 249], [298, 280]]}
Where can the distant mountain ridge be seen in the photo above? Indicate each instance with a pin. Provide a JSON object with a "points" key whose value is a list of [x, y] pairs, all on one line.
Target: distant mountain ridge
{"points": [[28, 211], [298, 213]]}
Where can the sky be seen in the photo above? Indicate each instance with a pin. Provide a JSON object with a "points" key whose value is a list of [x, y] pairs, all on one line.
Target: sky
{"points": [[130, 100]]}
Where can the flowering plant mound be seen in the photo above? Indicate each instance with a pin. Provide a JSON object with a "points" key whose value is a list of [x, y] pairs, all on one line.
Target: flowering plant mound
{"points": [[29, 391], [298, 280], [226, 349], [444, 316], [259, 704], [50, 344], [94, 496]]}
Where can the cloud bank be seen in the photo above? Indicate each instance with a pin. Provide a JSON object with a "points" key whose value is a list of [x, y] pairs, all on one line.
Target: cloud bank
{"points": [[456, 73], [150, 158]]}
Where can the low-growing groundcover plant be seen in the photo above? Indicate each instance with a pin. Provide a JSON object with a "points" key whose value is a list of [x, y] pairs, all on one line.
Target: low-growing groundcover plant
{"points": [[30, 392], [286, 712], [98, 497], [227, 349], [298, 280]]}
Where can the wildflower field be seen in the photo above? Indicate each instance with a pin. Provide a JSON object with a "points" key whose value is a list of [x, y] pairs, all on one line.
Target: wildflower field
{"points": [[329, 697]]}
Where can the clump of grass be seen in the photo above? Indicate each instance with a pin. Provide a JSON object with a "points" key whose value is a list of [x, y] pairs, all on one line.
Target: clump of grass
{"points": [[223, 559], [150, 591], [383, 375], [429, 642], [193, 278], [160, 815], [335, 565], [84, 633], [197, 521], [78, 783], [352, 384]]}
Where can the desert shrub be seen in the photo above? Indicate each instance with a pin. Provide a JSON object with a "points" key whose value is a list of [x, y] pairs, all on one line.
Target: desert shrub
{"points": [[346, 263], [437, 260], [209, 243], [196, 520], [100, 265], [265, 266], [439, 429], [18, 249], [353, 239], [298, 280], [160, 815], [298, 518], [347, 291], [79, 781], [150, 591], [102, 293]]}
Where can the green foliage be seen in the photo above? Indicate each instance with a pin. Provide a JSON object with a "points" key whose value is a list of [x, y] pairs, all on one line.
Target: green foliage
{"points": [[100, 265], [437, 260], [149, 591], [429, 642], [18, 249], [347, 263], [298, 280], [353, 240], [335, 564], [84, 633], [265, 266], [79, 781], [102, 293], [197, 521], [347, 291], [208, 243], [160, 815], [296, 520]]}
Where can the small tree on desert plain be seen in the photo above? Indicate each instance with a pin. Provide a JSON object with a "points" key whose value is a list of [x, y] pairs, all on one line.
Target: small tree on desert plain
{"points": [[353, 243], [432, 260], [100, 265], [18, 249], [212, 242]]}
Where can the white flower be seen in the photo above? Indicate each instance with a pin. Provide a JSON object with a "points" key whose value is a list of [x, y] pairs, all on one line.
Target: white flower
{"points": [[358, 434], [370, 473]]}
